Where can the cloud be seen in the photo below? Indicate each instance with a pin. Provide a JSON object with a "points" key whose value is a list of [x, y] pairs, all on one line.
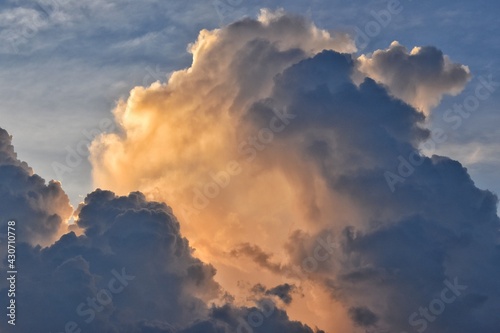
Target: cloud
{"points": [[419, 77], [362, 316], [405, 247], [257, 255], [270, 141], [413, 241], [179, 142], [282, 291], [40, 210], [130, 270]]}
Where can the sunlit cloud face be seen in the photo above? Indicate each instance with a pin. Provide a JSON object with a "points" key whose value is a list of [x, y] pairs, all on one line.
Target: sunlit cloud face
{"points": [[276, 141], [192, 144], [419, 77], [182, 135]]}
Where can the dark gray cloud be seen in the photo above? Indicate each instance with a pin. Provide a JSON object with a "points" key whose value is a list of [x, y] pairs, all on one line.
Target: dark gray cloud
{"points": [[283, 292], [129, 270], [39, 209], [122, 236], [362, 316], [405, 247]]}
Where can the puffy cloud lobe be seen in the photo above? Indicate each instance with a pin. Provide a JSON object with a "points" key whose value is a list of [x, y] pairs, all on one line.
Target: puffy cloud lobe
{"points": [[130, 270], [40, 209], [264, 318], [419, 77]]}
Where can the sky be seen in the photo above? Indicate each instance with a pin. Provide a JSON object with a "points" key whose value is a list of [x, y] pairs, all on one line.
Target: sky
{"points": [[251, 166]]}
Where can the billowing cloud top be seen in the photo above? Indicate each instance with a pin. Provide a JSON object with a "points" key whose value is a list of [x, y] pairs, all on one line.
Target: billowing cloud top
{"points": [[419, 77]]}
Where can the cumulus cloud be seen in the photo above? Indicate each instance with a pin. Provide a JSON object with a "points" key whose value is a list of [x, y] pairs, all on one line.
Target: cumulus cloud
{"points": [[129, 271], [419, 77], [180, 142], [270, 141], [41, 210], [404, 247]]}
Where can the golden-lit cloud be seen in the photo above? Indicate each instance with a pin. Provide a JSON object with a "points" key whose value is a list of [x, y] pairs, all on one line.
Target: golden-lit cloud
{"points": [[419, 77], [182, 142], [266, 149]]}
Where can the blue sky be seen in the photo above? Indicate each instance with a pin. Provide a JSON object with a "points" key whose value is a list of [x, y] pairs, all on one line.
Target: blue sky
{"points": [[65, 64]]}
